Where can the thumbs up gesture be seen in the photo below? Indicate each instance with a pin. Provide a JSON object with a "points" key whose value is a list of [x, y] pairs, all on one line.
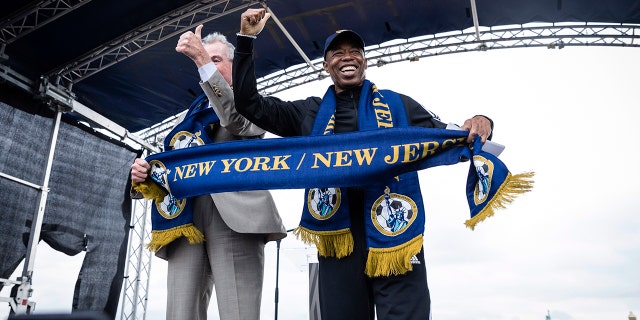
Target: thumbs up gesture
{"points": [[190, 44]]}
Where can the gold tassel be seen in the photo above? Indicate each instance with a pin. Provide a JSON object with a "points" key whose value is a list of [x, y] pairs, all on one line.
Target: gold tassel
{"points": [[161, 238], [383, 262], [338, 243], [150, 190], [510, 188]]}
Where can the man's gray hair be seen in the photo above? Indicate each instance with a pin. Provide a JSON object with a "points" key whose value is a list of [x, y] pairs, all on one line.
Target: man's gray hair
{"points": [[219, 37]]}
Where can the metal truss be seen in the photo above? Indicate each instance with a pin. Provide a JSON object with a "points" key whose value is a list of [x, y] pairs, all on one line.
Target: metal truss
{"points": [[143, 37], [551, 35], [138, 268], [34, 17], [154, 135]]}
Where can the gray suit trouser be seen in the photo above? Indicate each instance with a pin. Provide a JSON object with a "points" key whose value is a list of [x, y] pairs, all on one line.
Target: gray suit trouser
{"points": [[232, 262]]}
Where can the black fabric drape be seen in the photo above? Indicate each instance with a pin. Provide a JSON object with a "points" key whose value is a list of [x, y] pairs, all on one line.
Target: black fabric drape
{"points": [[88, 207]]}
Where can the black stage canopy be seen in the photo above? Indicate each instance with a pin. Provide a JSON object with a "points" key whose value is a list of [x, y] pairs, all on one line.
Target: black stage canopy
{"points": [[143, 80]]}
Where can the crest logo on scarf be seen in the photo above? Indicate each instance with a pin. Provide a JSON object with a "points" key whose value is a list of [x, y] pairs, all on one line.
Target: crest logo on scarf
{"points": [[170, 207], [484, 169], [393, 213], [323, 202], [186, 139]]}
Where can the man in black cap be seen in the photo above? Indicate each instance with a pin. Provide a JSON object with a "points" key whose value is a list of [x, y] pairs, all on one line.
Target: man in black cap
{"points": [[349, 289]]}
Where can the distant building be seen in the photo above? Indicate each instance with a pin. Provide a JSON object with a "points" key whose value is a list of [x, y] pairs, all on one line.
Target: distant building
{"points": [[632, 316]]}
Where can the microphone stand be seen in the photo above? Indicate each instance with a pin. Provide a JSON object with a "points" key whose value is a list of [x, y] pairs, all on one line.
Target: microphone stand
{"points": [[277, 275]]}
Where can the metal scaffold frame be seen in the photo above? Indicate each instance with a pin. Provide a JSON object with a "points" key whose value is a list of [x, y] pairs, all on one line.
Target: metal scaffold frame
{"points": [[143, 37], [550, 35], [32, 18], [138, 267]]}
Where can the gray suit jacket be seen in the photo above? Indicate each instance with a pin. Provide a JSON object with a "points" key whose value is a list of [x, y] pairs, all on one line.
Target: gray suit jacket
{"points": [[242, 211]]}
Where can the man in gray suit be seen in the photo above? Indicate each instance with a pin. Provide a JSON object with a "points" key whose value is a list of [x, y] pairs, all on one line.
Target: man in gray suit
{"points": [[235, 225]]}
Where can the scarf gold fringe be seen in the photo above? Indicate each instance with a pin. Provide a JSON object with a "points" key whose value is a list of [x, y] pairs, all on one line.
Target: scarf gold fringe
{"points": [[512, 186], [336, 243], [161, 238], [150, 190], [383, 262]]}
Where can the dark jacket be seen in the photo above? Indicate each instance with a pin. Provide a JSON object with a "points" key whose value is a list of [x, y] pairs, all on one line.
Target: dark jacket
{"points": [[296, 118]]}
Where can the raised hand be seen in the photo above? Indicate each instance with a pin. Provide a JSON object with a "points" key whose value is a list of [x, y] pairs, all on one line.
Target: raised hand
{"points": [[190, 44], [252, 21]]}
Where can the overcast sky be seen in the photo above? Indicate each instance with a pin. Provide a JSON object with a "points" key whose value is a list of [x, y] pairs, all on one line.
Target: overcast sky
{"points": [[570, 247]]}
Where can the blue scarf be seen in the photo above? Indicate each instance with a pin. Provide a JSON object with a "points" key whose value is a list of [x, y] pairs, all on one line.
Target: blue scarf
{"points": [[172, 217], [393, 206], [371, 158]]}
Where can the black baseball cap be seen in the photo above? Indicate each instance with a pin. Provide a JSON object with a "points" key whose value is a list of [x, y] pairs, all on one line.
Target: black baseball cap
{"points": [[341, 34]]}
